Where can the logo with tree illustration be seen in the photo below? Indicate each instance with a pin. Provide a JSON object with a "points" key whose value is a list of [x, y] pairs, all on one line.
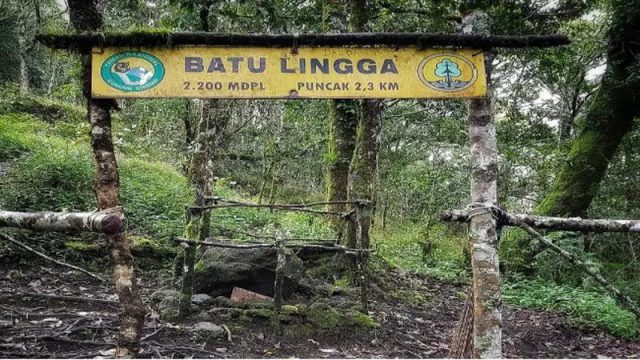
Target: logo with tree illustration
{"points": [[132, 71], [447, 72]]}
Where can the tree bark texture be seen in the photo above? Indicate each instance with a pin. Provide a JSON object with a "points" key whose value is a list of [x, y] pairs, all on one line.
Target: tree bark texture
{"points": [[363, 171], [108, 222], [552, 223], [342, 133], [487, 304], [608, 119], [85, 17]]}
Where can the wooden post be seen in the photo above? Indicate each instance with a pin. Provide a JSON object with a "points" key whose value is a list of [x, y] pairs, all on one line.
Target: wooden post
{"points": [[281, 263], [106, 185], [361, 263], [186, 290], [487, 317], [84, 16]]}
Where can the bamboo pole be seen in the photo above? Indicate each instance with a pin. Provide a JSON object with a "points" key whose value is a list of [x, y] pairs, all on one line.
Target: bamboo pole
{"points": [[108, 221]]}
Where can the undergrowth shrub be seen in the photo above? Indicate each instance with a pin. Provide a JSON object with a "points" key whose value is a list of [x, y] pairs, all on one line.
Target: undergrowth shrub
{"points": [[154, 196], [437, 250], [584, 308]]}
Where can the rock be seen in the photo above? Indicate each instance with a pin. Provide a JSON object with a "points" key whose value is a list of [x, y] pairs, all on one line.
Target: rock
{"points": [[160, 295], [203, 316], [202, 299], [208, 331], [223, 301], [219, 270]]}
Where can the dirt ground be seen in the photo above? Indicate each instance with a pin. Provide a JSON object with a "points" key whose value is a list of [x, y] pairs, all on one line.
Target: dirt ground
{"points": [[35, 325]]}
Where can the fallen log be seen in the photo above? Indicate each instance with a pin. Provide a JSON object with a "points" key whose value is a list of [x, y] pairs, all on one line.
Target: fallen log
{"points": [[550, 223], [108, 221]]}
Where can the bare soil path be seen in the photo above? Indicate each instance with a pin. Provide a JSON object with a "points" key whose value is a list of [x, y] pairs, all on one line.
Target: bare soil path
{"points": [[41, 326]]}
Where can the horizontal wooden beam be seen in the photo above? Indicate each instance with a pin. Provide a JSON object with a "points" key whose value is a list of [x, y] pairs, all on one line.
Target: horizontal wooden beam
{"points": [[108, 222], [229, 245], [84, 42], [551, 223]]}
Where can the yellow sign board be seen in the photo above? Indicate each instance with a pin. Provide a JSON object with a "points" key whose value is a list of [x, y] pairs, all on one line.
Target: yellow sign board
{"points": [[256, 72]]}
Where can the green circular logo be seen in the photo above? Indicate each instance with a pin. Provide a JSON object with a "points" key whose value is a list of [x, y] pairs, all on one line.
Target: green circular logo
{"points": [[132, 71]]}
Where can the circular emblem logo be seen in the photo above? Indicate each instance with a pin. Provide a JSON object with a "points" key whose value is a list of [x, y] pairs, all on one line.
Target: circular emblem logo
{"points": [[132, 71], [447, 72]]}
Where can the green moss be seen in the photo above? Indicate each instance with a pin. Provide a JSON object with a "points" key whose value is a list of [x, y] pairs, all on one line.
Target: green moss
{"points": [[413, 297], [323, 316], [258, 313], [362, 320], [290, 310], [82, 246], [146, 247]]}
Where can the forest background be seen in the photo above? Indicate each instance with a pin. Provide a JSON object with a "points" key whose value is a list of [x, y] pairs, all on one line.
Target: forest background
{"points": [[283, 151]]}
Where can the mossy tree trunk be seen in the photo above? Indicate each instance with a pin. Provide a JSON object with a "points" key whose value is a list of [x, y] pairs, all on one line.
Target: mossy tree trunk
{"points": [[209, 135], [608, 119], [364, 166], [85, 16], [342, 133], [342, 129], [363, 170]]}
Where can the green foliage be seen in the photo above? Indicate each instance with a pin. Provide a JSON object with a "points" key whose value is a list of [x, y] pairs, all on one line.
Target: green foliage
{"points": [[437, 251], [53, 170], [154, 195], [584, 308]]}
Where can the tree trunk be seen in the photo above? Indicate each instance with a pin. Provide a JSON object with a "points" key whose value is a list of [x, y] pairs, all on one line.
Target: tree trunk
{"points": [[363, 170], [341, 145], [608, 119], [85, 17], [364, 166], [342, 129], [487, 317]]}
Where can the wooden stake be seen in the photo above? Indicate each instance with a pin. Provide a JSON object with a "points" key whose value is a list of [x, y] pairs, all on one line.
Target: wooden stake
{"points": [[487, 324], [361, 260], [279, 281]]}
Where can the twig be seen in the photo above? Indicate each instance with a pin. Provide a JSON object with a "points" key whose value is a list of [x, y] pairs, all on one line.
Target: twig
{"points": [[28, 248], [70, 298], [147, 337], [226, 328], [66, 339]]}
